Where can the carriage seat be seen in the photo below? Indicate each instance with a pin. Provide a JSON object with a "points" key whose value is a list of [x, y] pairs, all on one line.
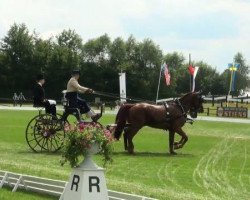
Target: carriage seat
{"points": [[71, 110], [40, 108]]}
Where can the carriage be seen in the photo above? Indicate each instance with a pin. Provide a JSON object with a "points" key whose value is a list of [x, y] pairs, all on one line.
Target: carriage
{"points": [[44, 133]]}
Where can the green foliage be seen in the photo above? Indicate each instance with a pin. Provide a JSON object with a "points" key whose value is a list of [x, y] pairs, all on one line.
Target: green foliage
{"points": [[17, 49], [244, 68], [24, 54]]}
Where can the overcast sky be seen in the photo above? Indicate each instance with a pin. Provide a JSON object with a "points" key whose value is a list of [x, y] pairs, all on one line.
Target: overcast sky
{"points": [[210, 30]]}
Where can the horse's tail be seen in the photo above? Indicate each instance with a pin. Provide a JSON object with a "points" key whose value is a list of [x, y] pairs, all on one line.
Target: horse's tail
{"points": [[121, 119]]}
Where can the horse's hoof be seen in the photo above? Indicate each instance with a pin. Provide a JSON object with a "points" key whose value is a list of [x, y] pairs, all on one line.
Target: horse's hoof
{"points": [[173, 153], [131, 153]]}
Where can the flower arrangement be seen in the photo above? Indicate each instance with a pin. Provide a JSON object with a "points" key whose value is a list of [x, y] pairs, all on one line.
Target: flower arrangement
{"points": [[79, 139]]}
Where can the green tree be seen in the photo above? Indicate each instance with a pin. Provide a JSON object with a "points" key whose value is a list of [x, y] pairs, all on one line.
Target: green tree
{"points": [[65, 55], [97, 50], [179, 75], [4, 74], [244, 68], [118, 54], [207, 78], [145, 61], [18, 47]]}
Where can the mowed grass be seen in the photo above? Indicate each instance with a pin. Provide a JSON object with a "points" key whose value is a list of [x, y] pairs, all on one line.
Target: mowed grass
{"points": [[214, 163]]}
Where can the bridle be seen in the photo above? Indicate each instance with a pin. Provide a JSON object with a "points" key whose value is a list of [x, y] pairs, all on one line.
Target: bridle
{"points": [[192, 110], [184, 113]]}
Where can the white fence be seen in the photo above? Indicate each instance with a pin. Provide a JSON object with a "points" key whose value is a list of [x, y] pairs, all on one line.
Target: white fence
{"points": [[215, 98], [50, 186]]}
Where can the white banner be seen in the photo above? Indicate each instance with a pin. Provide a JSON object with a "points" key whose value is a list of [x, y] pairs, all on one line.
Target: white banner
{"points": [[122, 79], [194, 76]]}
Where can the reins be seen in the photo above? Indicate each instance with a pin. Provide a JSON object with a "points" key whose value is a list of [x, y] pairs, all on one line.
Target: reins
{"points": [[106, 94]]}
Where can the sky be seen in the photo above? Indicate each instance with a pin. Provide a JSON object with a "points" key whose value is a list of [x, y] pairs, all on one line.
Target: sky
{"points": [[212, 31]]}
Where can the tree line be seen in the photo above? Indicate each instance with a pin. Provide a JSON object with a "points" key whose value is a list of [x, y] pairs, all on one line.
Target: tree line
{"points": [[24, 54]]}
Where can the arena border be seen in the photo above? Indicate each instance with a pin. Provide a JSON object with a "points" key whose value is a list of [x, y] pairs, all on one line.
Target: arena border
{"points": [[51, 186]]}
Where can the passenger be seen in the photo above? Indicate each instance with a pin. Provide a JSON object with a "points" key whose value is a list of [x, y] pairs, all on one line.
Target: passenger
{"points": [[39, 97], [73, 88]]}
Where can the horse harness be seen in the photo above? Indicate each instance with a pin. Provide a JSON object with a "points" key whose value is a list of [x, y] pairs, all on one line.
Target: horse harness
{"points": [[184, 114]]}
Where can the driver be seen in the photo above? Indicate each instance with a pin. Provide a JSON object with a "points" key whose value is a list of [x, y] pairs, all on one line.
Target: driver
{"points": [[73, 88]]}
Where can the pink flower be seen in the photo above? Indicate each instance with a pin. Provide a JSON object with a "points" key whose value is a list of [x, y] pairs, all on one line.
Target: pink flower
{"points": [[81, 126]]}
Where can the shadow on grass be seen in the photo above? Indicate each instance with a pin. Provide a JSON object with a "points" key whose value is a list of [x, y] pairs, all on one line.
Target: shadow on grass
{"points": [[153, 154], [29, 152], [26, 194]]}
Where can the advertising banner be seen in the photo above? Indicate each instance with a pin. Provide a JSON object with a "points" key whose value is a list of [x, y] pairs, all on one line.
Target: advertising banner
{"points": [[232, 112]]}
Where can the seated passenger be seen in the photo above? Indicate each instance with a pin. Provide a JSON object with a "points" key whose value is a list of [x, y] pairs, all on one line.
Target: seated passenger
{"points": [[73, 88], [39, 99]]}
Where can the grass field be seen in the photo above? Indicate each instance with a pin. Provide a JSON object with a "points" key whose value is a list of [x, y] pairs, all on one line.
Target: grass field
{"points": [[214, 164]]}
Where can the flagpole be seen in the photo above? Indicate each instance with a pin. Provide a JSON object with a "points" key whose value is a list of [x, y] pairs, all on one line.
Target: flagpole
{"points": [[159, 81], [230, 86], [190, 77]]}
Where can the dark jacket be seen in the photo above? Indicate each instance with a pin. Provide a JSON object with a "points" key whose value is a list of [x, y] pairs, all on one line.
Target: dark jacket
{"points": [[38, 95], [72, 99]]}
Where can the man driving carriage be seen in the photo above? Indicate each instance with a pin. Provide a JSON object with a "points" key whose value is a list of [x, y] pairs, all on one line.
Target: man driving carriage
{"points": [[39, 99], [74, 101]]}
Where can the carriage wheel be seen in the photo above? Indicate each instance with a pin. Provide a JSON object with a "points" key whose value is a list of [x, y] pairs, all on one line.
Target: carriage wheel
{"points": [[45, 134]]}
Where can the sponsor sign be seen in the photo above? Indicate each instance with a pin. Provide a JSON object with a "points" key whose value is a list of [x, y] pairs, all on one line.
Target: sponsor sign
{"points": [[232, 112]]}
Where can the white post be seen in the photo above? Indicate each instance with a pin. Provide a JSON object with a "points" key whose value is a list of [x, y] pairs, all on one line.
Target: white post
{"points": [[122, 80], [4, 179], [17, 183]]}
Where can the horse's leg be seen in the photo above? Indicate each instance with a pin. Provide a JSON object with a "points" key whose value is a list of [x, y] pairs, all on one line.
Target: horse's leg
{"points": [[171, 143], [125, 137], [130, 134], [184, 139], [177, 143]]}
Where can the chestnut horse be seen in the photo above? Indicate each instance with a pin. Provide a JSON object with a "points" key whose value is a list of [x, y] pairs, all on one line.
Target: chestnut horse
{"points": [[132, 117]]}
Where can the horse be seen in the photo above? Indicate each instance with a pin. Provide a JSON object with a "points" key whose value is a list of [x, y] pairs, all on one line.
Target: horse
{"points": [[132, 117]]}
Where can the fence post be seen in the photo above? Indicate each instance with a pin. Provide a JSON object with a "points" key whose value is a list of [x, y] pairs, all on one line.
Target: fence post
{"points": [[207, 111], [213, 100]]}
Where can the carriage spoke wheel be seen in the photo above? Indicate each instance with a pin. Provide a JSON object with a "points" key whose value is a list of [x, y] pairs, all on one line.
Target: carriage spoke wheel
{"points": [[45, 134]]}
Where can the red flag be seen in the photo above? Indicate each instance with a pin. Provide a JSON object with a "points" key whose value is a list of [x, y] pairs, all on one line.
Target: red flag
{"points": [[167, 75], [191, 69], [193, 72]]}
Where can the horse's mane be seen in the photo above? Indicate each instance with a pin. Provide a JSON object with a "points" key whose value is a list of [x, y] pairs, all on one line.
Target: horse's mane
{"points": [[183, 97]]}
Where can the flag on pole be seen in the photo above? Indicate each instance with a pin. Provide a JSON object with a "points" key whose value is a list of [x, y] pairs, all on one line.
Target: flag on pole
{"points": [[233, 68], [193, 71], [166, 74], [163, 70]]}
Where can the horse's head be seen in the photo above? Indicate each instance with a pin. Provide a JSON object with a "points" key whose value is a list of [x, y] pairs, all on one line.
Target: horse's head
{"points": [[196, 104]]}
